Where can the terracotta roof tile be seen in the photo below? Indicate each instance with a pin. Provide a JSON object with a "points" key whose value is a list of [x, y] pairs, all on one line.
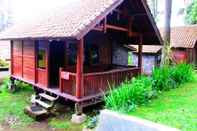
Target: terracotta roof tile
{"points": [[70, 20], [183, 37], [148, 48]]}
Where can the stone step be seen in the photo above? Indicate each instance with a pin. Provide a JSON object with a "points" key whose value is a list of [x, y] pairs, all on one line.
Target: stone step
{"points": [[47, 97], [43, 104], [36, 112]]}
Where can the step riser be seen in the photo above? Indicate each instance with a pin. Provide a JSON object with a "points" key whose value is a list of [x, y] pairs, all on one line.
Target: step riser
{"points": [[43, 104], [47, 97], [40, 101]]}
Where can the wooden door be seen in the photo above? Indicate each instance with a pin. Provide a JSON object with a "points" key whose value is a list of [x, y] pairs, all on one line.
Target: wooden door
{"points": [[42, 73]]}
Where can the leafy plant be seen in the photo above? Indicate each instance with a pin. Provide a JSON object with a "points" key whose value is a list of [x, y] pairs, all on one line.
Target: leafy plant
{"points": [[142, 89], [168, 77], [129, 94], [182, 73], [91, 122], [3, 63], [161, 78]]}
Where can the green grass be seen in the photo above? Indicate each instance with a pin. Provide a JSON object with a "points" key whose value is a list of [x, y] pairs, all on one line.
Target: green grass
{"points": [[176, 108], [65, 124], [12, 106], [59, 124]]}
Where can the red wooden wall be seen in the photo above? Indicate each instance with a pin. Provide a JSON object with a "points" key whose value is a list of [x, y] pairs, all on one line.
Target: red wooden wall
{"points": [[24, 63], [29, 60], [17, 59]]}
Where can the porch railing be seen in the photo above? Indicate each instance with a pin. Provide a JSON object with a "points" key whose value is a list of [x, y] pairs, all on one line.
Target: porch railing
{"points": [[97, 82]]}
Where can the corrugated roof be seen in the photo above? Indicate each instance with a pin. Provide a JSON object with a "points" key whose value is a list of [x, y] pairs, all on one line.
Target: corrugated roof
{"points": [[71, 20], [148, 48], [183, 37]]}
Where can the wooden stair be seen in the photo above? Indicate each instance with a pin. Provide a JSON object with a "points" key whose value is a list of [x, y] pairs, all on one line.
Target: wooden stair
{"points": [[42, 105]]}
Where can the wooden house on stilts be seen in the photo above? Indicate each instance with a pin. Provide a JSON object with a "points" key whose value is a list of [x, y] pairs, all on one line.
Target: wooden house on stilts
{"points": [[69, 51]]}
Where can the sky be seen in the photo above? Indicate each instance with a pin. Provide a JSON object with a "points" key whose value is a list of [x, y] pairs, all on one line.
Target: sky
{"points": [[23, 9], [177, 20]]}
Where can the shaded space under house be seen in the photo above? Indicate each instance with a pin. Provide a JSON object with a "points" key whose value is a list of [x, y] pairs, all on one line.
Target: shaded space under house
{"points": [[69, 51]]}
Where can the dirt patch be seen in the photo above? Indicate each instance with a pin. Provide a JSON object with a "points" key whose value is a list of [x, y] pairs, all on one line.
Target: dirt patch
{"points": [[37, 126]]}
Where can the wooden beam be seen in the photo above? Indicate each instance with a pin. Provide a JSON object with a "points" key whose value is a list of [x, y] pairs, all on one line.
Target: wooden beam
{"points": [[98, 28], [48, 62], [60, 80], [35, 61], [134, 34], [140, 53], [11, 54], [22, 42], [129, 25], [104, 25], [139, 14], [117, 28], [79, 74]]}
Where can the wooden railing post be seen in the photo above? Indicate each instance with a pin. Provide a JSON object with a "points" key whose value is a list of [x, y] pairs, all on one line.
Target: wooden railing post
{"points": [[60, 79], [79, 76], [140, 46]]}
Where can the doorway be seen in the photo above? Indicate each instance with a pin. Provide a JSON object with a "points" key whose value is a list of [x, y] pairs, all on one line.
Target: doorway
{"points": [[56, 60]]}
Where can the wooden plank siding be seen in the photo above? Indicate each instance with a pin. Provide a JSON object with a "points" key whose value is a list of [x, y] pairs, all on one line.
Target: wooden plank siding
{"points": [[29, 60], [17, 59], [24, 62]]}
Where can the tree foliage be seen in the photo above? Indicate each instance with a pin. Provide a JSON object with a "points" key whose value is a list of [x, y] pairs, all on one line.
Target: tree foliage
{"points": [[191, 13]]}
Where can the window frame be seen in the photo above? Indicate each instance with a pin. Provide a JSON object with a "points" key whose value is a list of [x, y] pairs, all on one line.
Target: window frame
{"points": [[41, 48]]}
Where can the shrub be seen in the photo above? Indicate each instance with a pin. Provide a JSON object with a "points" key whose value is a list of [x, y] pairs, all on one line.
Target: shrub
{"points": [[182, 73], [129, 94], [161, 78], [140, 90], [168, 77], [3, 63], [91, 122]]}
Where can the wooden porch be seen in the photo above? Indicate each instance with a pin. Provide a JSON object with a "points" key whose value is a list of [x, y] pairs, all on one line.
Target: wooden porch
{"points": [[95, 82]]}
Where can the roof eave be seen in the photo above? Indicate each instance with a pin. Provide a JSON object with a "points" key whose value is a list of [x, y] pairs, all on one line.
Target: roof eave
{"points": [[152, 21], [98, 19]]}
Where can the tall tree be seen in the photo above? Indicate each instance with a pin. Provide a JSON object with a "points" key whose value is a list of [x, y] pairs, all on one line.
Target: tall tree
{"points": [[191, 13], [167, 31]]}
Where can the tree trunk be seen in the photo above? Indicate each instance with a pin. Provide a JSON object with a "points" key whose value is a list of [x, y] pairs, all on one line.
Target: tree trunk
{"points": [[167, 31]]}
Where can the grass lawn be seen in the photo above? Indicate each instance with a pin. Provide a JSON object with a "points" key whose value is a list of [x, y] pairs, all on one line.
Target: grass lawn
{"points": [[176, 108], [12, 113]]}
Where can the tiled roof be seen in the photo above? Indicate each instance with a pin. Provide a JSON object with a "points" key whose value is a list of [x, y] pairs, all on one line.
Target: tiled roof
{"points": [[183, 37], [148, 48], [72, 20]]}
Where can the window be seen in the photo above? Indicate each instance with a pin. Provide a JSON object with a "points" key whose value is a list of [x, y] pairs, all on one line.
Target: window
{"points": [[91, 54], [72, 59], [41, 57]]}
